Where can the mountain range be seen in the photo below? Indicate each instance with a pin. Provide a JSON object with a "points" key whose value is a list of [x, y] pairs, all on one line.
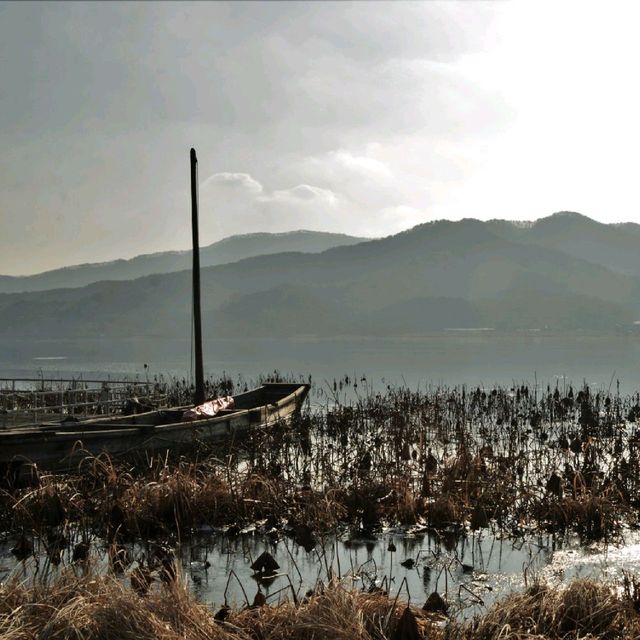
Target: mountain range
{"points": [[563, 273], [227, 250]]}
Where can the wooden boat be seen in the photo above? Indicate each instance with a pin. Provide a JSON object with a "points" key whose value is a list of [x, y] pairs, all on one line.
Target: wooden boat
{"points": [[64, 444]]}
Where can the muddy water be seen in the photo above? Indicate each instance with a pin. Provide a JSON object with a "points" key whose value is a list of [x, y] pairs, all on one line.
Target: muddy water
{"points": [[470, 571]]}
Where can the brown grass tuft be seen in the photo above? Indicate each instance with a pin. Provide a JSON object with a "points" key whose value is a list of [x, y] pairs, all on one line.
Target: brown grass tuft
{"points": [[95, 607], [585, 609]]}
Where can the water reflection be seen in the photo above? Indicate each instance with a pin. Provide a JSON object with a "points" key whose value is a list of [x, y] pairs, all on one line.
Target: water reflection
{"points": [[469, 571]]}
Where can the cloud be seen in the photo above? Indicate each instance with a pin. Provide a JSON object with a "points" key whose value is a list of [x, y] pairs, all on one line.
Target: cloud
{"points": [[233, 203], [359, 164], [303, 193], [353, 117], [233, 180], [297, 111], [358, 175]]}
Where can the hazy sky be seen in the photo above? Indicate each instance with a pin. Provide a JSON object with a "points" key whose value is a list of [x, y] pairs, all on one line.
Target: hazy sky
{"points": [[364, 118]]}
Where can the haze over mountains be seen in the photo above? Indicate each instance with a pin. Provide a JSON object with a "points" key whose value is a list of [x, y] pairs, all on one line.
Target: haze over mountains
{"points": [[563, 273], [229, 249]]}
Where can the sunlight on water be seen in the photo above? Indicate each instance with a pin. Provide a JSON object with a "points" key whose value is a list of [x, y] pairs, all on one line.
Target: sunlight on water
{"points": [[607, 562]]}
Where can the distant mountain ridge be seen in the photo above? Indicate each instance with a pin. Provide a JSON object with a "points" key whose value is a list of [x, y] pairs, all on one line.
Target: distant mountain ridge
{"points": [[229, 249], [614, 246], [436, 276]]}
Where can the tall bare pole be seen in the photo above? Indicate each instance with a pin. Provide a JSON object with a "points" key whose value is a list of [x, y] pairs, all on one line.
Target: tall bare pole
{"points": [[197, 321]]}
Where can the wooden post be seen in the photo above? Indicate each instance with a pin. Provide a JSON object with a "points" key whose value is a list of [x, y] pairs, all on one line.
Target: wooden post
{"points": [[197, 322]]}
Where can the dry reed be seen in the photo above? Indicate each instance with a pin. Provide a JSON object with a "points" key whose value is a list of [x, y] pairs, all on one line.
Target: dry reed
{"points": [[93, 607], [510, 459]]}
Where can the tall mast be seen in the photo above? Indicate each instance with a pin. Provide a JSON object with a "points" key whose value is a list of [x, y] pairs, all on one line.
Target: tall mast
{"points": [[197, 321]]}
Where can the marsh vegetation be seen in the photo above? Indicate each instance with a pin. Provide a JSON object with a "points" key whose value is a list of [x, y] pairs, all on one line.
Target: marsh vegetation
{"points": [[442, 466]]}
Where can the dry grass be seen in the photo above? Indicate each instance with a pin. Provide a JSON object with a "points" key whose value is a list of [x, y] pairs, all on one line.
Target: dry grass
{"points": [[101, 607], [502, 458], [91, 607], [585, 609]]}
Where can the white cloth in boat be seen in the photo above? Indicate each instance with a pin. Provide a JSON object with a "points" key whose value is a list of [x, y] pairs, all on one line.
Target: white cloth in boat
{"points": [[208, 409]]}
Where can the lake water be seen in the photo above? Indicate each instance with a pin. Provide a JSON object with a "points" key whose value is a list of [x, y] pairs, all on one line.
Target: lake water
{"points": [[471, 358]]}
